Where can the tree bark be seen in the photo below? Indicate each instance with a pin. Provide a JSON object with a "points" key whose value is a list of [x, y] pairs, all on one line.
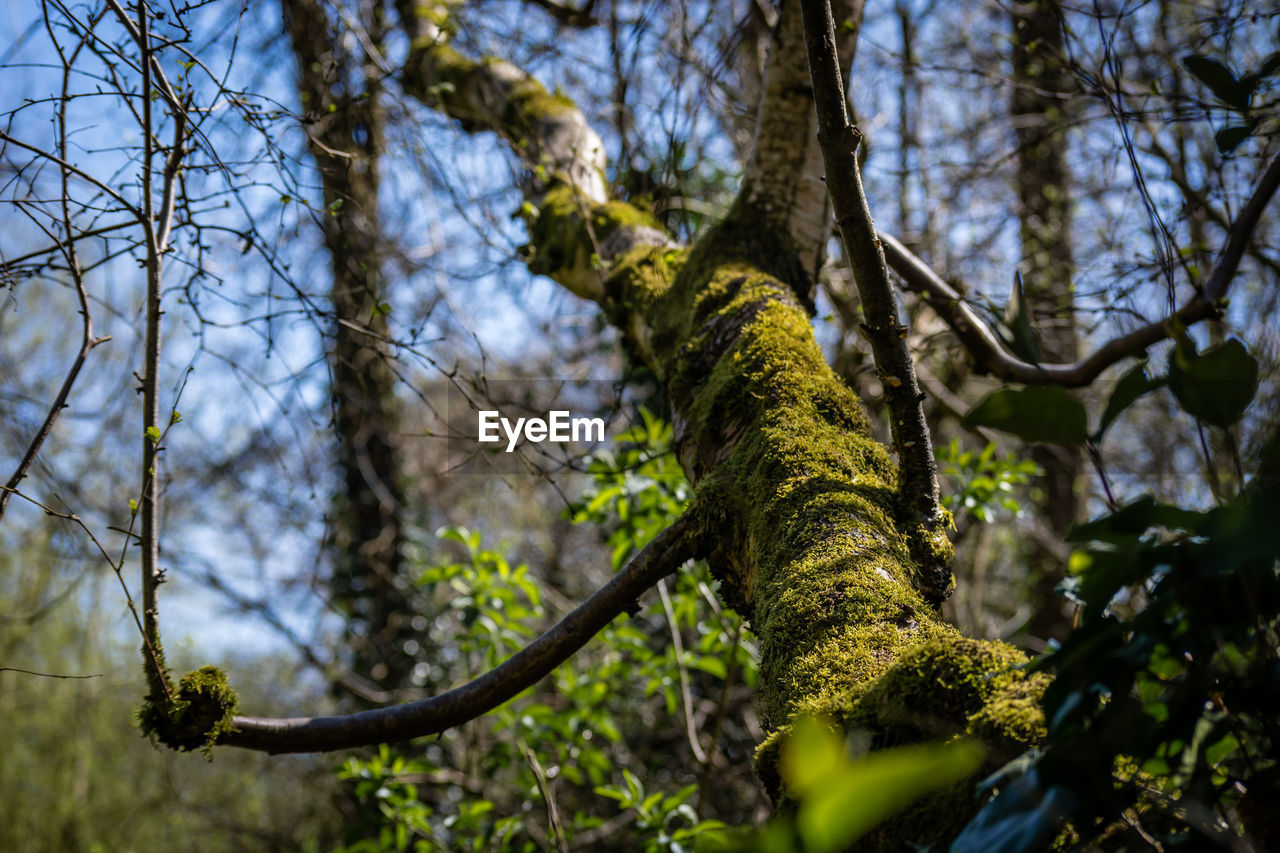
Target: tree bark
{"points": [[341, 99], [796, 501], [1041, 85]]}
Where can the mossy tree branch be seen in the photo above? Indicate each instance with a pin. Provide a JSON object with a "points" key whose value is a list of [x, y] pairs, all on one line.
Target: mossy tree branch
{"points": [[797, 506]]}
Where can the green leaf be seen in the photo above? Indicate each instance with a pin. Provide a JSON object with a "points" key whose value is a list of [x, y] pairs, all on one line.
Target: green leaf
{"points": [[1217, 385], [1022, 337], [153, 433], [1131, 386], [175, 416], [1038, 413], [1220, 79], [1132, 520], [840, 800], [1229, 138], [1269, 66]]}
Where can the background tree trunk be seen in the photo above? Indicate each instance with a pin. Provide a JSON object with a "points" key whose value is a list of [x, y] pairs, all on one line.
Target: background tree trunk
{"points": [[341, 96], [1041, 87]]}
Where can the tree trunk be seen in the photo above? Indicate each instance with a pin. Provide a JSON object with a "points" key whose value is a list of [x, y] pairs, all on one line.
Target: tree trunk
{"points": [[1041, 82], [341, 95], [795, 507]]}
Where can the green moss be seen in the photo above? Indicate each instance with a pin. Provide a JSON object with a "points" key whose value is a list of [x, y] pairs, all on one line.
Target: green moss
{"points": [[935, 690], [200, 710], [566, 232], [800, 505]]}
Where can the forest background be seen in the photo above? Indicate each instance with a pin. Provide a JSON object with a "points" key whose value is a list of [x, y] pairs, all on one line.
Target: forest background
{"points": [[250, 250]]}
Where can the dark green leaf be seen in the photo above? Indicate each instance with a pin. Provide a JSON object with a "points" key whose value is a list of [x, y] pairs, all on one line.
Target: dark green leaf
{"points": [[1038, 413], [1022, 337], [1133, 520], [1220, 80], [1229, 138], [1131, 386], [1217, 385]]}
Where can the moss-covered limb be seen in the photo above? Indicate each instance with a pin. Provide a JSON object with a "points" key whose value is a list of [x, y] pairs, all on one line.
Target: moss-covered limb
{"points": [[800, 512], [798, 504], [944, 688], [195, 715], [576, 231]]}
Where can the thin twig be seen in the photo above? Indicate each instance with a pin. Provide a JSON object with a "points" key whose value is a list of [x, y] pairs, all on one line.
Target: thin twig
{"points": [[686, 696], [45, 674], [919, 496], [68, 247], [548, 798]]}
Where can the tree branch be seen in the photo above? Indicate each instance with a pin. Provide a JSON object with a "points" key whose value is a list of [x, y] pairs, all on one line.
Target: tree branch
{"points": [[68, 248], [661, 557], [575, 229], [919, 499], [782, 181], [991, 355]]}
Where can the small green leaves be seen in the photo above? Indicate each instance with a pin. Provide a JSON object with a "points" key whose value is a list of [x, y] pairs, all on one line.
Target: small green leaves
{"points": [[1215, 386], [1045, 413], [981, 483], [174, 417], [133, 506], [153, 433]]}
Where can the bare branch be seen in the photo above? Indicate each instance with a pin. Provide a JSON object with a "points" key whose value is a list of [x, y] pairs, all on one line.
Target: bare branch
{"points": [[68, 248], [919, 497], [75, 170], [992, 356], [661, 557]]}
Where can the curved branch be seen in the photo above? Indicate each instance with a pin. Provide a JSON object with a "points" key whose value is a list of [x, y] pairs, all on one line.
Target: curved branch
{"points": [[661, 557], [575, 230], [991, 355]]}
